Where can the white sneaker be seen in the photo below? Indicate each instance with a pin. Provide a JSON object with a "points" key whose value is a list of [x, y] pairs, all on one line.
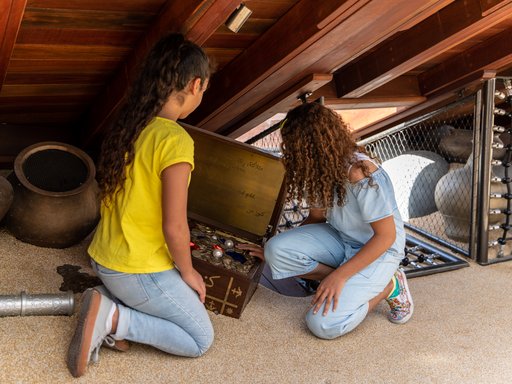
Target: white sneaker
{"points": [[94, 325]]}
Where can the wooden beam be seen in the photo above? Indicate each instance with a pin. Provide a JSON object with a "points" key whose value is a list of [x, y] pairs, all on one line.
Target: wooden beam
{"points": [[252, 77], [489, 6], [466, 87], [183, 16], [282, 103], [492, 54], [451, 26], [210, 19], [400, 92], [300, 27], [110, 100], [370, 102], [11, 13], [14, 138]]}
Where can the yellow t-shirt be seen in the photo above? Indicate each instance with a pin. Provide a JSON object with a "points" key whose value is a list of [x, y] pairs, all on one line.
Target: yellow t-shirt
{"points": [[129, 236]]}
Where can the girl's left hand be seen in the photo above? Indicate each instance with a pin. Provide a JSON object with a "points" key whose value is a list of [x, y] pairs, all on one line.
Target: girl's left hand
{"points": [[195, 281], [329, 292]]}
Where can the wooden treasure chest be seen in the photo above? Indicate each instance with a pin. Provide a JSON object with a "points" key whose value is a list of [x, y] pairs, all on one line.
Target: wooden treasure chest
{"points": [[236, 196]]}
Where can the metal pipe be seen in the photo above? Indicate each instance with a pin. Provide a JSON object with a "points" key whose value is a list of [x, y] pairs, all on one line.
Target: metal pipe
{"points": [[482, 162], [449, 262], [37, 305], [477, 144], [437, 239]]}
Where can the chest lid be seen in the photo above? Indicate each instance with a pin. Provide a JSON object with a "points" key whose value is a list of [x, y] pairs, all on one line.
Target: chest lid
{"points": [[235, 186]]}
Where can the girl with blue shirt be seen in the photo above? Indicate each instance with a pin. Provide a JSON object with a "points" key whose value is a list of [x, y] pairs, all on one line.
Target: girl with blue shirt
{"points": [[353, 239]]}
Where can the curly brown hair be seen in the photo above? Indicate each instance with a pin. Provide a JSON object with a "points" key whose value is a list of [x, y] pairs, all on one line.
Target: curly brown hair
{"points": [[170, 65], [317, 151]]}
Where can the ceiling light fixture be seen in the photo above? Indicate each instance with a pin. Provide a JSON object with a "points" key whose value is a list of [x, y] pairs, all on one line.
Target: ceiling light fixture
{"points": [[238, 18]]}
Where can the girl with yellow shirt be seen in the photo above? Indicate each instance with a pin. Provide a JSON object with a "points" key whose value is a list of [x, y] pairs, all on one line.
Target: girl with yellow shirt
{"points": [[141, 247]]}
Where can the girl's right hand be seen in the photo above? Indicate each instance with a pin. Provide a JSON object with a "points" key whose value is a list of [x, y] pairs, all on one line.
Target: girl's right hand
{"points": [[196, 282], [254, 250]]}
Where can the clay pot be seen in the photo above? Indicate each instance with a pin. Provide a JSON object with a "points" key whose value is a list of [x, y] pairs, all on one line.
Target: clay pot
{"points": [[414, 176], [453, 199], [457, 144], [56, 200], [6, 196]]}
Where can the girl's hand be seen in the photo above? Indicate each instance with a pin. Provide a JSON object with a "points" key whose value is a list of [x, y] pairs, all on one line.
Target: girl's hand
{"points": [[254, 250], [196, 282], [328, 291]]}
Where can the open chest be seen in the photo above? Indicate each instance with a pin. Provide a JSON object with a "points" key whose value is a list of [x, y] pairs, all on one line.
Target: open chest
{"points": [[236, 195]]}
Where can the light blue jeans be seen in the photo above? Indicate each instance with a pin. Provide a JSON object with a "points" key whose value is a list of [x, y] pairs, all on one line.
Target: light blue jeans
{"points": [[299, 251], [158, 309]]}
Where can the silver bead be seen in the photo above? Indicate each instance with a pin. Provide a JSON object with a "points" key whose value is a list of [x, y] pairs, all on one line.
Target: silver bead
{"points": [[217, 253], [229, 243], [214, 237]]}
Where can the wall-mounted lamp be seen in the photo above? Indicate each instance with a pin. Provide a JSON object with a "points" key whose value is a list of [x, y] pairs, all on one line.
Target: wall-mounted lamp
{"points": [[238, 18]]}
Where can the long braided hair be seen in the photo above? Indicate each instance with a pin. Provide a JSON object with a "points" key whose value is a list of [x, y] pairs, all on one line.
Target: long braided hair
{"points": [[170, 65], [317, 152]]}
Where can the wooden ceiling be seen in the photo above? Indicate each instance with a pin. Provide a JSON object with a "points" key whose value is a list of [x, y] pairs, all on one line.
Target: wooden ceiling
{"points": [[65, 64]]}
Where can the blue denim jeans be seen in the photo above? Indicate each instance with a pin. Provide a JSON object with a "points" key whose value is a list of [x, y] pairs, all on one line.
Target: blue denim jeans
{"points": [[299, 251], [158, 309]]}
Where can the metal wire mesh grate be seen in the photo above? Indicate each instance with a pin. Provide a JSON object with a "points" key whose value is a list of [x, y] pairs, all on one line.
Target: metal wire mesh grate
{"points": [[431, 165]]}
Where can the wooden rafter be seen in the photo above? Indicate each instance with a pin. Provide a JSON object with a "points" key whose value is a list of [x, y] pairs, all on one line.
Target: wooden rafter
{"points": [[400, 92], [281, 103], [245, 83], [253, 65], [449, 27], [180, 16], [11, 13], [464, 87], [492, 54], [208, 21], [489, 6]]}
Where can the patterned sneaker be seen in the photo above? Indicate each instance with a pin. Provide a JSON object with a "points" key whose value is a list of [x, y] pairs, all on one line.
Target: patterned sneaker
{"points": [[94, 324], [401, 305]]}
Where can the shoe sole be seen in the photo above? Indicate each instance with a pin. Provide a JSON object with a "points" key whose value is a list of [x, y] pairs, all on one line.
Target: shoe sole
{"points": [[78, 353], [408, 317]]}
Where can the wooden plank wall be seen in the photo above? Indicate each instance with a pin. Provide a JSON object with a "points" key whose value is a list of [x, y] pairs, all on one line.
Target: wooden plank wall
{"points": [[60, 59]]}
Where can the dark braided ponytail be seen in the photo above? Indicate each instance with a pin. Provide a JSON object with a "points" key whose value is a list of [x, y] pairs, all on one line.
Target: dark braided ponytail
{"points": [[170, 65]]}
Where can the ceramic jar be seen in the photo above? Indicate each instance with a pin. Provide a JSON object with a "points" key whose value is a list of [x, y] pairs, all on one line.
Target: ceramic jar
{"points": [[56, 199], [414, 176], [453, 199]]}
